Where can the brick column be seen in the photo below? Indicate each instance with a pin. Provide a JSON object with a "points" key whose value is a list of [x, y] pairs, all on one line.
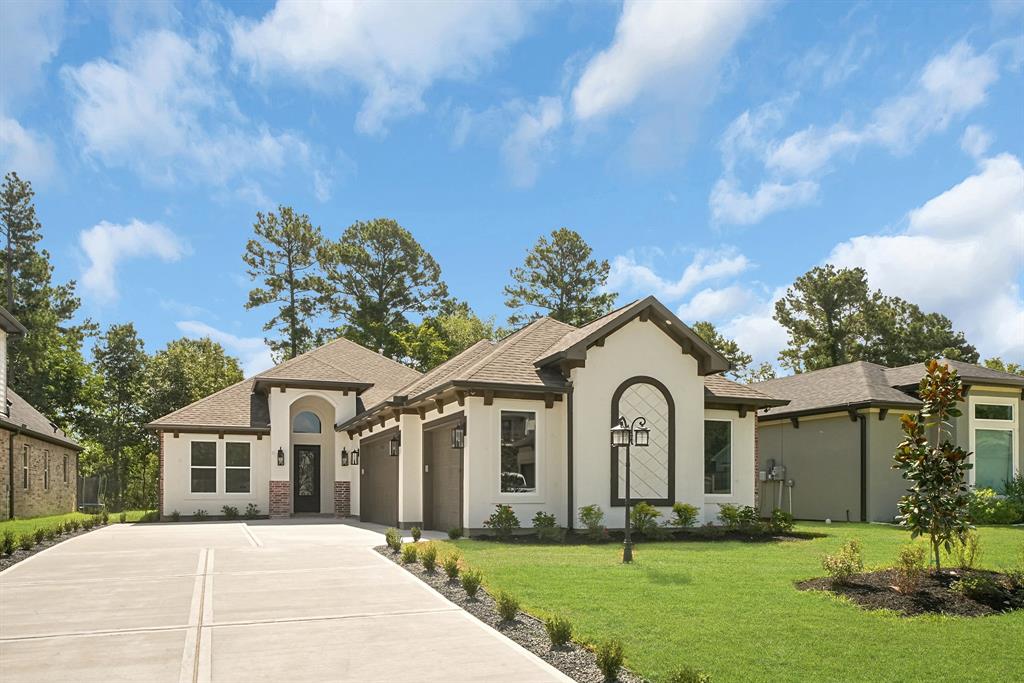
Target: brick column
{"points": [[280, 498], [342, 498]]}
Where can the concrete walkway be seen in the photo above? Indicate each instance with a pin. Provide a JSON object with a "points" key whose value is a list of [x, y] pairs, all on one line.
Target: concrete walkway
{"points": [[300, 600]]}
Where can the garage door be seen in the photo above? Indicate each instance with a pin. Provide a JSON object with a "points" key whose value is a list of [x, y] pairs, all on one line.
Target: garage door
{"points": [[378, 482], [442, 481]]}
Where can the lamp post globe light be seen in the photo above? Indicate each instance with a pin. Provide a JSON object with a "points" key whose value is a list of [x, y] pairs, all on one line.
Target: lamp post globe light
{"points": [[624, 435]]}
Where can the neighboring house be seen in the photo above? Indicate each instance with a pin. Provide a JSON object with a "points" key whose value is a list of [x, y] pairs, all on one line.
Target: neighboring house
{"points": [[523, 421], [837, 436], [38, 461]]}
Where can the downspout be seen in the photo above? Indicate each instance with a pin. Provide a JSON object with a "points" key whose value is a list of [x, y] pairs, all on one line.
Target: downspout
{"points": [[863, 420], [569, 465]]}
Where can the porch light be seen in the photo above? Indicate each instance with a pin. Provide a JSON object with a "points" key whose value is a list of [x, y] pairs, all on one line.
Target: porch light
{"points": [[459, 436], [641, 436], [620, 433], [344, 457], [624, 435], [355, 456], [280, 457], [395, 443]]}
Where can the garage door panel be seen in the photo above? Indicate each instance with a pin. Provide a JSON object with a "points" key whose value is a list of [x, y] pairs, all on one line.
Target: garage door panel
{"points": [[378, 484]]}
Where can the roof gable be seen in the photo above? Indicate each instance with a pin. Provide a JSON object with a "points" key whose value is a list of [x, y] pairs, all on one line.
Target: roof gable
{"points": [[910, 375]]}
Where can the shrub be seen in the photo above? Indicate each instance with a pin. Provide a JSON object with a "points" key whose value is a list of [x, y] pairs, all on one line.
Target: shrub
{"points": [[26, 541], [8, 542], [609, 659], [52, 532], [644, 518], [910, 565], [105, 518], [546, 527], [781, 522], [503, 520], [230, 511], [151, 516], [842, 565], [687, 674], [200, 515], [508, 606], [592, 518], [559, 630], [175, 516], [455, 533], [1014, 490], [977, 587], [409, 553], [967, 550], [988, 507], [471, 580], [393, 537], [39, 535], [684, 515], [252, 511], [123, 517], [739, 518], [75, 523], [428, 557], [450, 564], [416, 533]]}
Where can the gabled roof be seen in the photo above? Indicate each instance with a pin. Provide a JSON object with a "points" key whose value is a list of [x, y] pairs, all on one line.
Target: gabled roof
{"points": [[237, 407], [910, 375], [718, 389], [573, 346], [22, 416]]}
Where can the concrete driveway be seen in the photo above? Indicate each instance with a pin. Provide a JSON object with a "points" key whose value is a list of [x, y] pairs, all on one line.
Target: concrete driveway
{"points": [[263, 601]]}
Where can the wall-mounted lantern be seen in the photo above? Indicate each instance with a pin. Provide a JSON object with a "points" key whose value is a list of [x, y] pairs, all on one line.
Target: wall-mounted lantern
{"points": [[355, 456], [459, 436], [280, 457], [395, 444], [344, 457]]}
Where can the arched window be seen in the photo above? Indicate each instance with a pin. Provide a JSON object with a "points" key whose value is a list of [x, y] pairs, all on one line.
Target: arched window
{"points": [[306, 423], [652, 468]]}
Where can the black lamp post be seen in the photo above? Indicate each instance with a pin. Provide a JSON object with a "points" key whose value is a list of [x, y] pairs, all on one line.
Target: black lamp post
{"points": [[624, 435]]}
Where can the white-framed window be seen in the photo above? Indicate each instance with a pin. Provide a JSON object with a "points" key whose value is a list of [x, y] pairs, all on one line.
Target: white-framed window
{"points": [[717, 457], [203, 466], [993, 411], [65, 468], [46, 470], [237, 467], [518, 447], [24, 467], [994, 428]]}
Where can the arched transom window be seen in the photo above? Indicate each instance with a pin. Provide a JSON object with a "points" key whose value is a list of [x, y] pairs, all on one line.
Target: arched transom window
{"points": [[652, 468], [306, 423]]}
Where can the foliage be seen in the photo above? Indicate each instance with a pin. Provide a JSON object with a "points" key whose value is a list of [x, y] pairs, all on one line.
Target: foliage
{"points": [[967, 549], [376, 275], [998, 364], [187, 370], [105, 517], [687, 674], [845, 563], [738, 359], [985, 506], [230, 511], [39, 535], [503, 521], [26, 541], [1016, 573], [910, 565], [437, 338], [979, 587], [559, 630], [282, 258], [409, 553], [684, 515], [428, 557], [200, 515], [936, 502], [52, 532], [739, 518], [455, 533], [252, 511], [592, 518], [416, 533], [507, 605], [1013, 489], [450, 564], [644, 518], [781, 522], [471, 580], [8, 542], [393, 538], [546, 527], [900, 333], [609, 658], [560, 279], [175, 516]]}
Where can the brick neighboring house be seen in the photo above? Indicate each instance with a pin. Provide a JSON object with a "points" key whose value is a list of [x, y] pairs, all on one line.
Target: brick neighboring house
{"points": [[38, 461]]}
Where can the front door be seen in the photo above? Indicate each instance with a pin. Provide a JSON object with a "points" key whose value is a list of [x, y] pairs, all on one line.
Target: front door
{"points": [[306, 478]]}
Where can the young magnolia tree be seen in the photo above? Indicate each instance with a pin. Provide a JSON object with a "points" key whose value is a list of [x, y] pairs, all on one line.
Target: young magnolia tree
{"points": [[936, 502]]}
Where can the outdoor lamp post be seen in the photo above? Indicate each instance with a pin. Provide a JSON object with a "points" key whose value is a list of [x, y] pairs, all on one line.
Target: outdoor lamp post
{"points": [[624, 435]]}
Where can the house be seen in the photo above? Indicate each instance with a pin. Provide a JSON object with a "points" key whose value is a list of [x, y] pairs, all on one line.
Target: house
{"points": [[38, 461], [523, 421], [832, 445]]}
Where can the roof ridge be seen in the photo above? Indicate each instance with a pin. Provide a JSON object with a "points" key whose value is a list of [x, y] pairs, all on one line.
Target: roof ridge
{"points": [[505, 343], [204, 398], [382, 356]]}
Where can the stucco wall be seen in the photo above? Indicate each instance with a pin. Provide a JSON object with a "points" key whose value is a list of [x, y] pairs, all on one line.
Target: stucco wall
{"points": [[177, 462], [885, 485], [281, 412], [743, 476], [37, 500]]}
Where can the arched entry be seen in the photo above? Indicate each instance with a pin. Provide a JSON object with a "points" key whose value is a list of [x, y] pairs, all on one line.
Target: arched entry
{"points": [[652, 468], [312, 443]]}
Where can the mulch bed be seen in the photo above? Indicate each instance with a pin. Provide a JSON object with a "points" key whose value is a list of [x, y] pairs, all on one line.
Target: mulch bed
{"points": [[574, 660], [934, 595], [19, 555]]}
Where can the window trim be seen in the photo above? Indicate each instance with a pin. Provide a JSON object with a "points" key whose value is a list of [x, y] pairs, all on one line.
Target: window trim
{"points": [[1012, 426], [46, 470], [614, 452], [25, 464], [975, 406], [319, 422], [732, 453], [216, 459], [235, 467], [65, 468], [522, 496]]}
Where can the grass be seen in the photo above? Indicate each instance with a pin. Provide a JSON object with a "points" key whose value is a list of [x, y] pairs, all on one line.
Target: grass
{"points": [[30, 524], [730, 608]]}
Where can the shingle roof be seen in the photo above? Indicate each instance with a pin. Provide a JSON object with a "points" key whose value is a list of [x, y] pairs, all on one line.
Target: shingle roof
{"points": [[24, 416], [236, 406], [853, 384], [910, 375], [727, 391]]}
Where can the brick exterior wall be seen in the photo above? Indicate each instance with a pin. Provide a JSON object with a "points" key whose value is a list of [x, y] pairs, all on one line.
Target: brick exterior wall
{"points": [[44, 495], [280, 498], [342, 498]]}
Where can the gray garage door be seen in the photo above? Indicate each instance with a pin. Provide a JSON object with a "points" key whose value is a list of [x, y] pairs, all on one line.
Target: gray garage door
{"points": [[378, 482], [442, 480]]}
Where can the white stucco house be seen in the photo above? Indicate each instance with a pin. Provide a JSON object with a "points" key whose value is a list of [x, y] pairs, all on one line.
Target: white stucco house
{"points": [[523, 421]]}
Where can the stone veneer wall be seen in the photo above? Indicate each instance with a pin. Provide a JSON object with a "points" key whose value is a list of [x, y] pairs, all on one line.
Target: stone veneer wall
{"points": [[38, 499], [342, 498], [280, 498]]}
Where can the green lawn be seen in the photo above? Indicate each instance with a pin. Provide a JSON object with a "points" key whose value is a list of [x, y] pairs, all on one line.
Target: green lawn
{"points": [[730, 608], [30, 524]]}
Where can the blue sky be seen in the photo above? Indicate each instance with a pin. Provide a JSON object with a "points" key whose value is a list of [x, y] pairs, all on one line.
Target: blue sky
{"points": [[711, 151]]}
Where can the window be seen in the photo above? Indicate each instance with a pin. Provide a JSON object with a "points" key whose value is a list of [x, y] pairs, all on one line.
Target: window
{"points": [[24, 467], [204, 467], [988, 411], [717, 457], [236, 468], [65, 469], [46, 470], [518, 452], [306, 423], [993, 458]]}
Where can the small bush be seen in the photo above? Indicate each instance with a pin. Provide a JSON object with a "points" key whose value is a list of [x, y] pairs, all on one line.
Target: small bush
{"points": [[559, 630], [471, 580], [977, 587], [609, 659], [644, 518], [740, 518], [508, 606], [450, 564], [409, 553], [684, 515], [842, 565], [39, 535], [393, 537], [428, 557], [8, 542], [75, 523], [592, 519], [252, 511], [687, 674], [988, 507], [546, 528], [1016, 573], [967, 550], [230, 511], [781, 522], [175, 516], [416, 533], [123, 517], [105, 518], [200, 515], [1014, 491], [52, 532], [910, 565], [455, 533], [26, 541], [503, 521]]}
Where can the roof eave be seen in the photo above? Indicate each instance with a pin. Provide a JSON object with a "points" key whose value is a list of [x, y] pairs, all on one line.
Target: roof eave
{"points": [[761, 402], [260, 383], [10, 324], [839, 407], [206, 429], [42, 436]]}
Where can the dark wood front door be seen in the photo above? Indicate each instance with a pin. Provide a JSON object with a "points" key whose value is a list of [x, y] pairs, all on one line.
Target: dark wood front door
{"points": [[306, 479]]}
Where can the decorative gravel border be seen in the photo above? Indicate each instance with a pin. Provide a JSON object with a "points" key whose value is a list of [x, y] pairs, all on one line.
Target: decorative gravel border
{"points": [[8, 561], [574, 660]]}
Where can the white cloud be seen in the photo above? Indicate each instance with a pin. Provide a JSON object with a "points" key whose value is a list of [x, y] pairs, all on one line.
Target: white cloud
{"points": [[731, 204], [28, 152], [629, 275], [394, 50], [252, 351], [962, 255], [30, 35], [529, 142], [715, 304], [107, 244], [975, 141], [756, 331], [159, 109]]}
